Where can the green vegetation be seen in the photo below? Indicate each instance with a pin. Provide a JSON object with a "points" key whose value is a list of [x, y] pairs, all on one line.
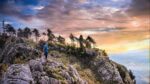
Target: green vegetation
{"points": [[55, 73], [78, 56], [36, 33], [81, 66], [3, 68], [84, 43]]}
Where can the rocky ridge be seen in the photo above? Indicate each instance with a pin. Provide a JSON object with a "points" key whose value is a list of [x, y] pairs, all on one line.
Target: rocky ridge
{"points": [[35, 70]]}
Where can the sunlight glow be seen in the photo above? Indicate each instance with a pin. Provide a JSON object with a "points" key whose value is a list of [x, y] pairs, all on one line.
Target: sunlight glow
{"points": [[124, 47]]}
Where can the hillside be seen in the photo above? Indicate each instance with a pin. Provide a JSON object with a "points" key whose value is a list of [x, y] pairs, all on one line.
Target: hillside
{"points": [[22, 62]]}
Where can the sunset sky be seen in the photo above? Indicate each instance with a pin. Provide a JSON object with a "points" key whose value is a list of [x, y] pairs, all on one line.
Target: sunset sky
{"points": [[121, 27], [116, 25]]}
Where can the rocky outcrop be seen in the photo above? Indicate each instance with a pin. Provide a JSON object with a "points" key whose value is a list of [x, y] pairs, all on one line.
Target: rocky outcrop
{"points": [[18, 74], [40, 71], [53, 72], [17, 48], [110, 72]]}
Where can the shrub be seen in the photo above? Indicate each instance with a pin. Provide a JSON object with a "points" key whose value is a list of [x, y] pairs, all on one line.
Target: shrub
{"points": [[131, 75]]}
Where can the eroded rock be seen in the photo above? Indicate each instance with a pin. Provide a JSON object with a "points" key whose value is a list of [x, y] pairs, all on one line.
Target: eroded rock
{"points": [[18, 74], [109, 73], [18, 48]]}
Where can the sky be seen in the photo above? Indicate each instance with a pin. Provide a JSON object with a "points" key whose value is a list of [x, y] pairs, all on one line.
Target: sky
{"points": [[140, 66], [116, 25], [121, 27]]}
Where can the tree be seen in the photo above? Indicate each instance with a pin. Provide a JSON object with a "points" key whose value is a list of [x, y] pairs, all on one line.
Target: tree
{"points": [[27, 32], [87, 44], [10, 29], [89, 41], [20, 33], [49, 32], [50, 35], [131, 74], [44, 33], [61, 40], [81, 42], [3, 26], [72, 38], [36, 33]]}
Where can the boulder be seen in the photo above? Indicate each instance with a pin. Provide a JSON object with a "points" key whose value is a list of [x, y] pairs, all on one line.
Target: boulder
{"points": [[108, 71], [36, 65], [73, 72], [44, 80], [53, 72], [91, 52], [64, 74], [18, 48], [54, 81], [37, 71], [18, 74], [49, 80]]}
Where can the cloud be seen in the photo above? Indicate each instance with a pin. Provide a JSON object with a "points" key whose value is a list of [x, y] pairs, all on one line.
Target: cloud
{"points": [[11, 9], [101, 30], [76, 15], [38, 7], [139, 7], [69, 15]]}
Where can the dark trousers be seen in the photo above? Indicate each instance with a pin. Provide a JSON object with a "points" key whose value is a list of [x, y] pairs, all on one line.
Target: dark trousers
{"points": [[46, 54]]}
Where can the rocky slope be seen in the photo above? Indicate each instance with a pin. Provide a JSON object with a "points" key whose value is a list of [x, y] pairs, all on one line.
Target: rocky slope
{"points": [[22, 63]]}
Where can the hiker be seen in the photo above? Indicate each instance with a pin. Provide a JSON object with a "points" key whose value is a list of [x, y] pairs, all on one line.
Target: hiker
{"points": [[45, 49]]}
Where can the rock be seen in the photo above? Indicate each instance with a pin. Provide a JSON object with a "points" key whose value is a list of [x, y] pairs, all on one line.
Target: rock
{"points": [[108, 71], [91, 52], [67, 74], [54, 81], [36, 76], [41, 71], [36, 65], [75, 74], [54, 64], [53, 72], [125, 74], [44, 80], [55, 55], [18, 48], [18, 74], [47, 80], [37, 70]]}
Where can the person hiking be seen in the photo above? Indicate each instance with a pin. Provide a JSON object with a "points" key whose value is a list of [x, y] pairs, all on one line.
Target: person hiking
{"points": [[45, 49]]}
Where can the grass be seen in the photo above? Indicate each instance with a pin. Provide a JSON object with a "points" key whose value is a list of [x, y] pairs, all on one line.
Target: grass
{"points": [[19, 61], [3, 68], [88, 75], [55, 73], [83, 69], [62, 57], [67, 59]]}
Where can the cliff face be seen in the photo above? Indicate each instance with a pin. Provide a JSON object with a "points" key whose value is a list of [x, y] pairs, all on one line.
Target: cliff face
{"points": [[110, 72], [22, 63]]}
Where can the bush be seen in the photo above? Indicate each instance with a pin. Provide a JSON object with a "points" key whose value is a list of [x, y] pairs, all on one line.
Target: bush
{"points": [[40, 45], [131, 75]]}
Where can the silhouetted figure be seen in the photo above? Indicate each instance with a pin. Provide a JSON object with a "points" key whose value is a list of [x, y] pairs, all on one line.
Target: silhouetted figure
{"points": [[45, 49]]}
